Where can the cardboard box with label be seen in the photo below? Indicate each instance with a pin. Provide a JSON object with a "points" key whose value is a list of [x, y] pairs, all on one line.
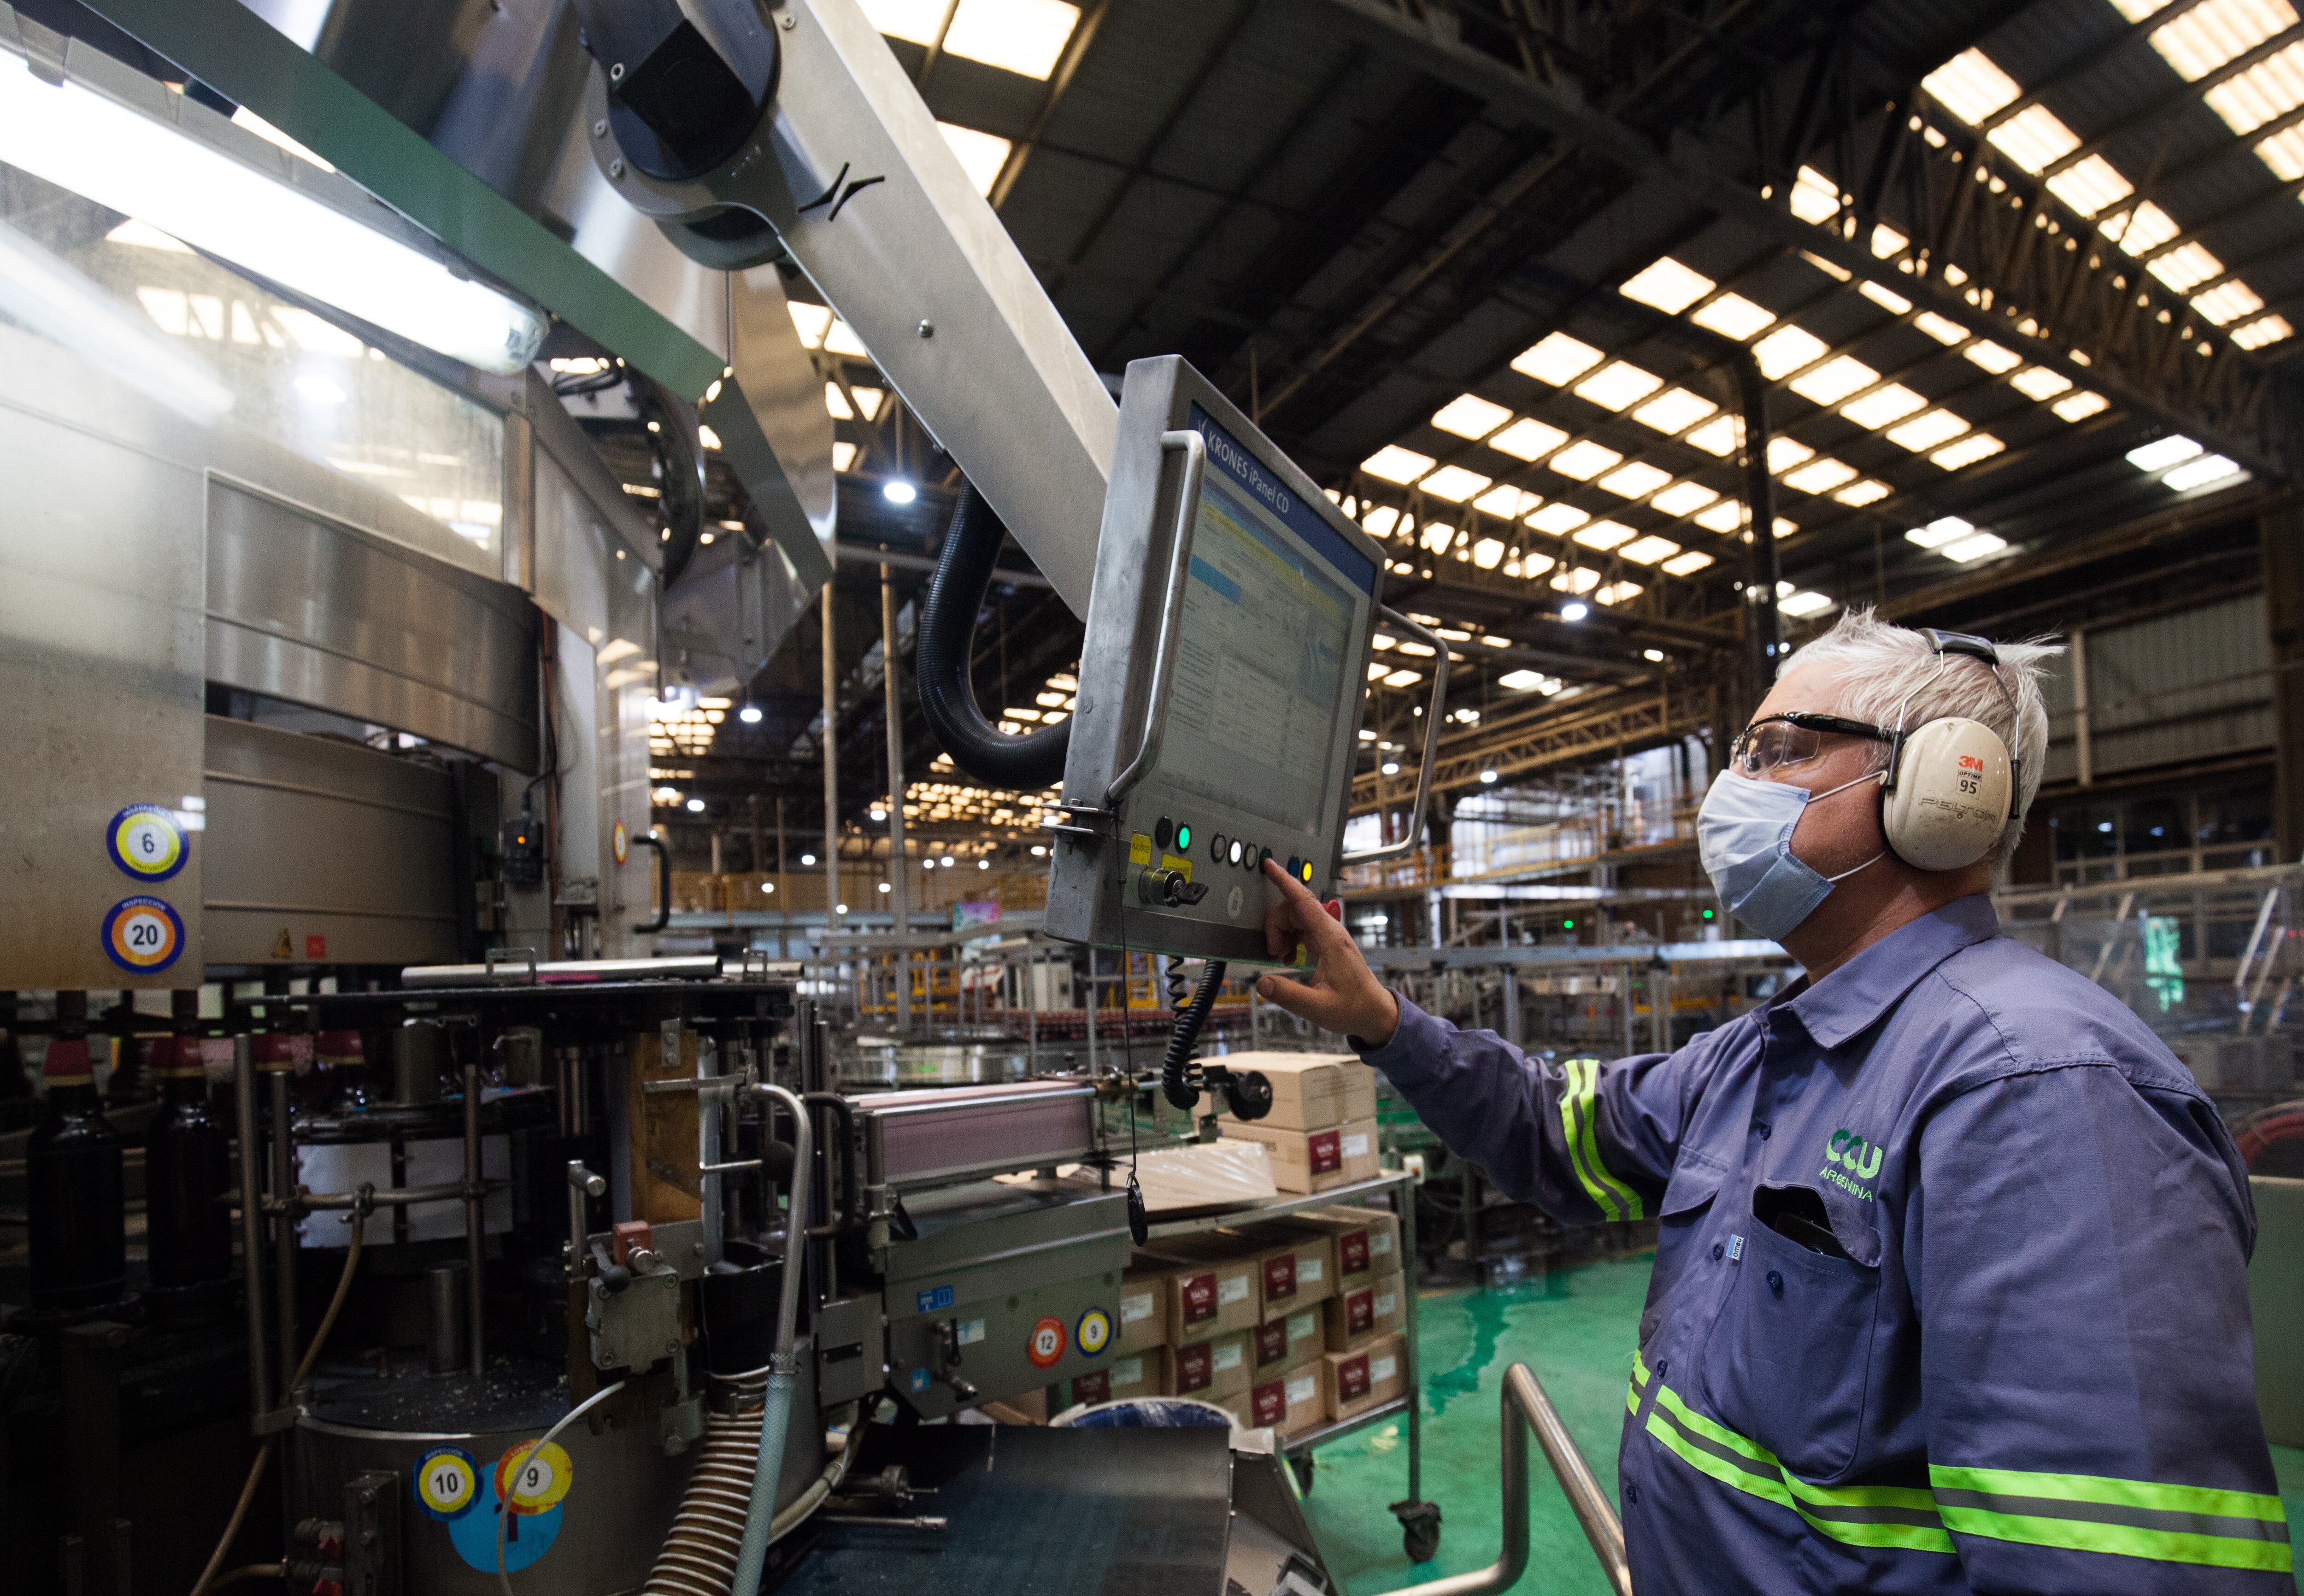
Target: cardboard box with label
{"points": [[1357, 1315], [1136, 1374], [1295, 1266], [1210, 1286], [1291, 1402], [1287, 1342], [1305, 1162], [1144, 1305], [1209, 1370], [1353, 1382], [1309, 1091], [1367, 1239]]}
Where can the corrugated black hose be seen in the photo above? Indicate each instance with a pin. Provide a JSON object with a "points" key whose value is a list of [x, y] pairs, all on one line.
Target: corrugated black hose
{"points": [[1175, 1069], [955, 599]]}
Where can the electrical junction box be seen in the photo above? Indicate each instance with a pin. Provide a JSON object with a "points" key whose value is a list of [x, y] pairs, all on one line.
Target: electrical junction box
{"points": [[1221, 682], [523, 852]]}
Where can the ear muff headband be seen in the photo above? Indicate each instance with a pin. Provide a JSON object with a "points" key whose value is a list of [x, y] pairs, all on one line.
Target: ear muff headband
{"points": [[1950, 783]]}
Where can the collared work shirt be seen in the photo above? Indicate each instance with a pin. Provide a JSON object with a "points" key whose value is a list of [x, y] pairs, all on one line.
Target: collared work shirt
{"points": [[2030, 1372]]}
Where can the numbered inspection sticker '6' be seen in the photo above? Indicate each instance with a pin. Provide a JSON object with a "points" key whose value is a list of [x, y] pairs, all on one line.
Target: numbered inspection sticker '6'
{"points": [[147, 842], [143, 934]]}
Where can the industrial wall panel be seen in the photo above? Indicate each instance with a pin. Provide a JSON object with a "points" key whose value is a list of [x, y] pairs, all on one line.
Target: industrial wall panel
{"points": [[2193, 685], [321, 851], [315, 610]]}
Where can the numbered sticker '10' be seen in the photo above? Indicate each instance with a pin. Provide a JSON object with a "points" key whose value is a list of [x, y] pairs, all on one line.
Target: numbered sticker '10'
{"points": [[447, 1483]]}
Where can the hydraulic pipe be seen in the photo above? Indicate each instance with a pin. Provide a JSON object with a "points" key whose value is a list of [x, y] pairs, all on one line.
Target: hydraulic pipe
{"points": [[251, 1226], [783, 1368]]}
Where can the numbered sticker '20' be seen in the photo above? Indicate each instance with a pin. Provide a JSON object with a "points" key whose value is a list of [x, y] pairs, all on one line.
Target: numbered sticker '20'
{"points": [[143, 934]]}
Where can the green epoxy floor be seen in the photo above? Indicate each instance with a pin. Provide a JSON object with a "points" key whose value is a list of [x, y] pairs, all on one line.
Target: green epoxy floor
{"points": [[1577, 1330]]}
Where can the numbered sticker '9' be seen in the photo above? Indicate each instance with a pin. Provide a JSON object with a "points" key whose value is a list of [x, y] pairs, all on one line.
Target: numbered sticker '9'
{"points": [[147, 842], [544, 1478]]}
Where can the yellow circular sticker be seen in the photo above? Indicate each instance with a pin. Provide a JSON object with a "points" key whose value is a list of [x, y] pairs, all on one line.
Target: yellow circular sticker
{"points": [[147, 842], [544, 1478], [621, 840], [1093, 1334], [447, 1483]]}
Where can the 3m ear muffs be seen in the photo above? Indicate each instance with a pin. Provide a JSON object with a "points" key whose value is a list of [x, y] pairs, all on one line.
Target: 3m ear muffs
{"points": [[1949, 783]]}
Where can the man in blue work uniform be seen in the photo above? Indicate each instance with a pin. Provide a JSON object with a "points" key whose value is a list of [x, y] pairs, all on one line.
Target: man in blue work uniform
{"points": [[1949, 1288]]}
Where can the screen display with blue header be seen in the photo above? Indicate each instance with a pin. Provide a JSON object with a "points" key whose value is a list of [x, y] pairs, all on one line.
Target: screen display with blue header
{"points": [[1227, 455]]}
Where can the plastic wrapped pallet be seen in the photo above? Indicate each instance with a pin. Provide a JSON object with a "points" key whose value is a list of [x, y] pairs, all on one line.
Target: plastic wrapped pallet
{"points": [[1205, 1176], [1316, 1160]]}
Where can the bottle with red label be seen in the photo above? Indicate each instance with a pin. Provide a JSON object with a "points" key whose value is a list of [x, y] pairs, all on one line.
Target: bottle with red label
{"points": [[341, 1057], [75, 1186], [187, 1163]]}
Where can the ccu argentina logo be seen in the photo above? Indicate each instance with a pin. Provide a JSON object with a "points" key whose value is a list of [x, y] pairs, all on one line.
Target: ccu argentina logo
{"points": [[1858, 1157]]}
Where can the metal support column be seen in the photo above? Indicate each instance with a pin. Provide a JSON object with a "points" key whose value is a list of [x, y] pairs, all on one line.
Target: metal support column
{"points": [[827, 745], [1762, 624], [251, 1225], [2083, 733], [1511, 1003], [899, 890], [2281, 536], [474, 1222]]}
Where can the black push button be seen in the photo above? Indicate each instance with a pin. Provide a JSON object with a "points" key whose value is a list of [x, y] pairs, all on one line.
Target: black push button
{"points": [[1215, 847], [1163, 834]]}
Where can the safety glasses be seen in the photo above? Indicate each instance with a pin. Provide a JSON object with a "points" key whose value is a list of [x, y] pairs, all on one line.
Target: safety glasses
{"points": [[1792, 737]]}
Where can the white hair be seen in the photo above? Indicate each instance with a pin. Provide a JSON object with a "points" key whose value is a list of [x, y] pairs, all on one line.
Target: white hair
{"points": [[1879, 670]]}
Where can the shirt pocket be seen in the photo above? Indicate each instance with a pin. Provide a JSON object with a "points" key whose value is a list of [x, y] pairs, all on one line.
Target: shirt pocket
{"points": [[1681, 1225], [1787, 1362]]}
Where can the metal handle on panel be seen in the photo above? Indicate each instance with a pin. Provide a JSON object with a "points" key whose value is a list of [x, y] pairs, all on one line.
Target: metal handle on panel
{"points": [[1432, 719], [1172, 613], [663, 886]]}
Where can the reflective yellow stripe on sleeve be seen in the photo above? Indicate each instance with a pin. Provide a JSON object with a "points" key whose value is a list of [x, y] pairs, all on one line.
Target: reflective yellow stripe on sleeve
{"points": [[1579, 1111], [2127, 1518]]}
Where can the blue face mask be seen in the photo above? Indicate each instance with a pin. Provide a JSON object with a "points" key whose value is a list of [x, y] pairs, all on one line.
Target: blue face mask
{"points": [[1744, 836]]}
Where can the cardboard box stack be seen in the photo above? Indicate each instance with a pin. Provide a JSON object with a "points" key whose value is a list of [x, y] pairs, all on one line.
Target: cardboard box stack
{"points": [[1353, 1382], [1321, 1131]]}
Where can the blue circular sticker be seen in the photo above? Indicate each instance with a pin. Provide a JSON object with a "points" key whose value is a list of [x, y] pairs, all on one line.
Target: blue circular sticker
{"points": [[147, 842], [1093, 1333], [527, 1536], [143, 935], [447, 1484]]}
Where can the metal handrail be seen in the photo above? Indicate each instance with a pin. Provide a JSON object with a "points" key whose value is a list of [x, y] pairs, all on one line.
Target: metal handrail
{"points": [[1523, 1401]]}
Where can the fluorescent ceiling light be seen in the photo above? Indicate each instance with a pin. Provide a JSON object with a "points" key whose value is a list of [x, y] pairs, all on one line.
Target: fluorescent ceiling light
{"points": [[1784, 454], [2079, 405], [1733, 316], [1508, 501], [1528, 439], [1815, 198], [2090, 186], [40, 291], [1648, 550], [1834, 380], [1723, 518], [1891, 402], [1403, 679], [2229, 302], [2037, 381], [1887, 299], [1870, 491], [1683, 498], [1585, 460], [1605, 535], [1721, 437], [1394, 464], [1992, 357], [982, 155], [1800, 606], [1942, 329], [1673, 410], [1468, 416], [1821, 476], [1557, 519], [1787, 349], [2199, 473], [2034, 138], [1971, 87], [1617, 384], [1937, 533], [2209, 35], [1973, 548], [173, 171], [1556, 359], [1521, 681], [2269, 329], [1838, 273], [1637, 480], [1668, 285], [1454, 483], [1926, 432], [2163, 453], [2185, 267], [1681, 565], [1967, 450]]}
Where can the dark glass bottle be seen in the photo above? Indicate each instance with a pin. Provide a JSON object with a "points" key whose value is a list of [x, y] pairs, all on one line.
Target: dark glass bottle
{"points": [[342, 1059], [187, 1164], [75, 1186]]}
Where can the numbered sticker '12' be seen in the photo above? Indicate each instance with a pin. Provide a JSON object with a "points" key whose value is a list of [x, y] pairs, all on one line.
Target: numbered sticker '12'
{"points": [[147, 842], [143, 935]]}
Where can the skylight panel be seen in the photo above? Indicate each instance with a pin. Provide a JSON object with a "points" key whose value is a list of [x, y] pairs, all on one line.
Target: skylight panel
{"points": [[1993, 358], [1971, 87], [1887, 299], [1380, 522], [1720, 436], [1725, 517], [1528, 439], [1510, 502], [1557, 519], [915, 21], [2034, 137], [2143, 229], [1556, 359], [1870, 491], [1394, 464], [1973, 548], [1647, 551], [2186, 268], [1637, 480], [1689, 563], [1488, 552], [1886, 241], [2136, 11], [1454, 483], [981, 153], [2283, 152], [2090, 186], [2079, 405], [1834, 380], [1025, 37], [2217, 31], [1617, 384], [1967, 450], [1585, 460], [1784, 454], [1617, 592], [1889, 402], [2037, 381], [1837, 273], [1576, 578], [2198, 473], [1683, 498], [1800, 606], [1941, 328], [2161, 453], [1927, 432], [811, 322], [2271, 88], [1675, 409], [1937, 533], [1821, 476], [1606, 535], [1668, 285], [1436, 537], [836, 403], [1815, 198], [2264, 330], [1787, 349], [1733, 316], [1468, 416]]}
